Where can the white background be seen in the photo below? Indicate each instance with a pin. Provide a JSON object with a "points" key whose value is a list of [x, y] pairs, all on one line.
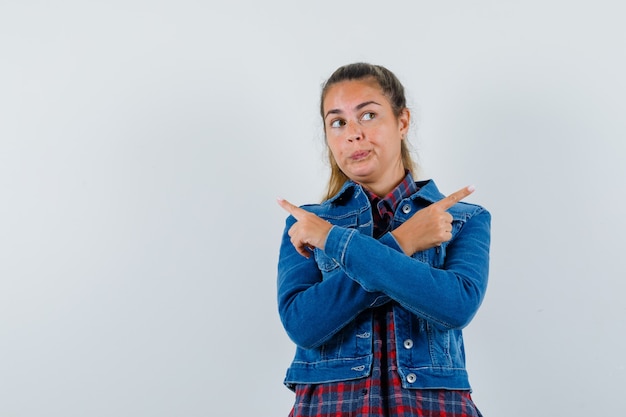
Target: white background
{"points": [[143, 144]]}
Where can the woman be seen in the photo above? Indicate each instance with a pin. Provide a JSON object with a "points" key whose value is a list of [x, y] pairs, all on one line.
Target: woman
{"points": [[376, 283]]}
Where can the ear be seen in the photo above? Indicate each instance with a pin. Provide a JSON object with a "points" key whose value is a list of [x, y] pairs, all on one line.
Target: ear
{"points": [[404, 121]]}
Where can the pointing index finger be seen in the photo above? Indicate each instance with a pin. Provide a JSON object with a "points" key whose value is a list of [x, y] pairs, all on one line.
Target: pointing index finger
{"points": [[295, 211], [455, 197]]}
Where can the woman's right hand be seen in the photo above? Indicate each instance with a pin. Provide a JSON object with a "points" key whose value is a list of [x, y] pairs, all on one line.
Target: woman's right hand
{"points": [[309, 231], [431, 226]]}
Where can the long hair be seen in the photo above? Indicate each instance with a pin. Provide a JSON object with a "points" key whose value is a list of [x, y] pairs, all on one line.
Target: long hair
{"points": [[391, 88]]}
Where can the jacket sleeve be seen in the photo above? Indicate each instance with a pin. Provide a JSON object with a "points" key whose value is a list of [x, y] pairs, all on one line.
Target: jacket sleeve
{"points": [[313, 309], [448, 297]]}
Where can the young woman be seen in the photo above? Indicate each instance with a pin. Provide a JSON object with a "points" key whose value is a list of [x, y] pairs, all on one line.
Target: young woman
{"points": [[376, 283]]}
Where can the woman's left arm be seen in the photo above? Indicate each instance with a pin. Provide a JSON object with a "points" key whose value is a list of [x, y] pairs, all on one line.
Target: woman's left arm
{"points": [[448, 296]]}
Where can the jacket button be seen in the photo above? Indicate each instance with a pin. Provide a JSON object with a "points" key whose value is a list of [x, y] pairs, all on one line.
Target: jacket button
{"points": [[411, 378], [408, 344], [406, 209]]}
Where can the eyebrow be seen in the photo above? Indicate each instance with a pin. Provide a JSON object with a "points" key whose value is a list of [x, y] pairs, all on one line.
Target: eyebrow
{"points": [[358, 107]]}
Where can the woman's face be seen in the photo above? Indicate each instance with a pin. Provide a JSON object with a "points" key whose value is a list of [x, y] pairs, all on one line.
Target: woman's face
{"points": [[363, 134]]}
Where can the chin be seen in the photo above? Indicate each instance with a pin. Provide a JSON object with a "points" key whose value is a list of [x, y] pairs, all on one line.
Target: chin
{"points": [[361, 172], [359, 177]]}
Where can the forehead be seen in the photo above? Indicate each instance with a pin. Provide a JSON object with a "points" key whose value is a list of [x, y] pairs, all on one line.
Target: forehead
{"points": [[346, 95]]}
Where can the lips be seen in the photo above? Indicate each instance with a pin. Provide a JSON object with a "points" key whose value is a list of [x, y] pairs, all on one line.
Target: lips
{"points": [[359, 155]]}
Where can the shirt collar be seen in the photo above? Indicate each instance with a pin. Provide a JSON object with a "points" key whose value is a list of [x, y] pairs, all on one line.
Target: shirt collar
{"points": [[405, 189]]}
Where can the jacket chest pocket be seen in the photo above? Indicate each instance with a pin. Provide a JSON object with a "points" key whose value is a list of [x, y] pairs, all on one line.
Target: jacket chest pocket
{"points": [[436, 257], [430, 256]]}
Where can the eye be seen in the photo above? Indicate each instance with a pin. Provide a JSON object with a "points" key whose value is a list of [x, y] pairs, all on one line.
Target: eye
{"points": [[337, 123], [368, 116]]}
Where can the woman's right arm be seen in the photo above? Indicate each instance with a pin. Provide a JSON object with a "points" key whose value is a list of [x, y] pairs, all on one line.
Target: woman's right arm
{"points": [[313, 309]]}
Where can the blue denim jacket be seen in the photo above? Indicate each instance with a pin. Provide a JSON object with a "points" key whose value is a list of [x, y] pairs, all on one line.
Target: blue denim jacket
{"points": [[325, 302]]}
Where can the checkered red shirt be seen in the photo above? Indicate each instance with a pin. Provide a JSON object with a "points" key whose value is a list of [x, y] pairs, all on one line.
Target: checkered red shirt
{"points": [[381, 393], [383, 208]]}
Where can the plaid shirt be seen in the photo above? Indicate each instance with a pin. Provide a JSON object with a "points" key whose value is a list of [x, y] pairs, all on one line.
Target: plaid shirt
{"points": [[381, 393], [385, 207]]}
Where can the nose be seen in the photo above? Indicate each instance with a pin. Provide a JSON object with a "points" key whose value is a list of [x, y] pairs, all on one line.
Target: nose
{"points": [[354, 132]]}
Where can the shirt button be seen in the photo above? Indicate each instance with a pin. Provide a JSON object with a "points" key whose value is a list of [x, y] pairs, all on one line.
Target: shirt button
{"points": [[411, 378], [408, 344], [406, 209]]}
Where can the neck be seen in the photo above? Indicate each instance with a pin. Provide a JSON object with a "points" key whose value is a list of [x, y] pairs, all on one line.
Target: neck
{"points": [[387, 184]]}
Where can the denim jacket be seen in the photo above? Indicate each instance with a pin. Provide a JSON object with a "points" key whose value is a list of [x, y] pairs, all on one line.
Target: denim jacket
{"points": [[325, 302]]}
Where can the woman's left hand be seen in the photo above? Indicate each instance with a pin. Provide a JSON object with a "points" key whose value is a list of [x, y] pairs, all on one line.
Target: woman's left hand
{"points": [[309, 231]]}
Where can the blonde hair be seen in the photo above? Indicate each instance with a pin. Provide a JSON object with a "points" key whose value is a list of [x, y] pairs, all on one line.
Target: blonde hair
{"points": [[391, 88]]}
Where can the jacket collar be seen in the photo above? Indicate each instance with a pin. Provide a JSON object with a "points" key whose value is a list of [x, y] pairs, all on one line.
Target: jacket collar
{"points": [[428, 191]]}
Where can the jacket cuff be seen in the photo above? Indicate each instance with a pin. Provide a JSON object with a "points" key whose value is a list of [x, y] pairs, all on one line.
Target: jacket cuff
{"points": [[338, 238], [388, 239], [337, 242]]}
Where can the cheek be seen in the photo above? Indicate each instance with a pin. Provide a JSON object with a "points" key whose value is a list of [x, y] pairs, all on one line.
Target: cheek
{"points": [[336, 154], [335, 149]]}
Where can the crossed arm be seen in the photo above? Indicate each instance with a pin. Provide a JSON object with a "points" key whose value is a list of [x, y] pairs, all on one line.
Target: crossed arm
{"points": [[313, 309]]}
